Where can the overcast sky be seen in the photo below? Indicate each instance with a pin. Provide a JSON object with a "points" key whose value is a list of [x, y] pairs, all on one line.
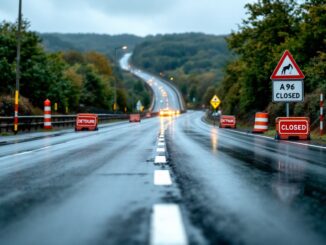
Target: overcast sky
{"points": [[140, 17]]}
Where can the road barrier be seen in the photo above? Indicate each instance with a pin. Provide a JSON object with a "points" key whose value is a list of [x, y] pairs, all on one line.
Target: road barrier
{"points": [[292, 128], [227, 121], [86, 121], [134, 118], [32, 123], [47, 114], [261, 122]]}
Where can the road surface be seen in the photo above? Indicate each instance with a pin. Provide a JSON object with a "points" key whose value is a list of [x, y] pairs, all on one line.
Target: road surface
{"points": [[218, 186], [165, 96]]}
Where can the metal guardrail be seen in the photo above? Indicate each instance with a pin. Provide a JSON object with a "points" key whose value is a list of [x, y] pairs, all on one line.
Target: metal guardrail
{"points": [[31, 123]]}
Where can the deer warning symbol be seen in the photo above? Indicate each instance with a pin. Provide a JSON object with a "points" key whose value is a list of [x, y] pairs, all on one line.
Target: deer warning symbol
{"points": [[287, 68]]}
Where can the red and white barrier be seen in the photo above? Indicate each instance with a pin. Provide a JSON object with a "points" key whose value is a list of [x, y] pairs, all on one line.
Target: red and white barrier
{"points": [[47, 114], [321, 117]]}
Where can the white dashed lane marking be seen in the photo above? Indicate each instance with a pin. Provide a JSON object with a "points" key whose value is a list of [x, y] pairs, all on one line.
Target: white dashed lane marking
{"points": [[162, 177], [166, 225], [160, 150], [160, 160]]}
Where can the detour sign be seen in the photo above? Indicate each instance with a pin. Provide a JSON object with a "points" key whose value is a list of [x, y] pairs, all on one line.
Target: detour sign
{"points": [[227, 121], [86, 121], [293, 127]]}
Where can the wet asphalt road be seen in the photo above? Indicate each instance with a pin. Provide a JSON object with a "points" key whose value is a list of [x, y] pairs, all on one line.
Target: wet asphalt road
{"points": [[97, 187], [100, 187]]}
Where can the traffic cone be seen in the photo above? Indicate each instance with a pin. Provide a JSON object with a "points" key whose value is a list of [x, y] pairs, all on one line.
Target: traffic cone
{"points": [[261, 122]]}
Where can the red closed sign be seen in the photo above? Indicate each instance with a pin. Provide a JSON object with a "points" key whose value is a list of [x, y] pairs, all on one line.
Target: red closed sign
{"points": [[295, 127]]}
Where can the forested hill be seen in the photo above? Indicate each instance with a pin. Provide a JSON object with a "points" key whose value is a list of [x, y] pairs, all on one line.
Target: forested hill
{"points": [[88, 42], [194, 60]]}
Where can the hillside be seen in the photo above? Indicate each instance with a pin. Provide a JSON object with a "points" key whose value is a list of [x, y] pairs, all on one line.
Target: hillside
{"points": [[193, 61], [105, 44]]}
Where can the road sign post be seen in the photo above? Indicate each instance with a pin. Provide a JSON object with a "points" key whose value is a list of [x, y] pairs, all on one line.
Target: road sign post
{"points": [[215, 102]]}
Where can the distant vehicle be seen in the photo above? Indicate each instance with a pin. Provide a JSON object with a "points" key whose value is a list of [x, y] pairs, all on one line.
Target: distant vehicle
{"points": [[148, 115], [86, 121], [227, 121], [168, 113], [134, 118]]}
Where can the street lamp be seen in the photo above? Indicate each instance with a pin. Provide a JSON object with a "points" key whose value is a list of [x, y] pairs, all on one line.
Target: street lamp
{"points": [[18, 66], [115, 83]]}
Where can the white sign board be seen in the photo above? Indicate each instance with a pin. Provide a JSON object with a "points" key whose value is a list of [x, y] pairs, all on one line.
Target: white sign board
{"points": [[287, 91], [138, 105]]}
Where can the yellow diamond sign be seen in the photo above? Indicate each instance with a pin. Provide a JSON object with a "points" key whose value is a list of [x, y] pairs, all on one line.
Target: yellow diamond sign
{"points": [[215, 101]]}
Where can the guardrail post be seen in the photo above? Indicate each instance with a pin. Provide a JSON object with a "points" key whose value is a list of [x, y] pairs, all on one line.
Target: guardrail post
{"points": [[47, 114]]}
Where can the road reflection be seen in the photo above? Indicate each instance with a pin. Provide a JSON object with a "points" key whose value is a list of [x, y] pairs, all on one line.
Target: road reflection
{"points": [[214, 140], [288, 183]]}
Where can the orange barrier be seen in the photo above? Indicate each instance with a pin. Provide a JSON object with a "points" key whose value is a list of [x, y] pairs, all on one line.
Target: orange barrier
{"points": [[148, 115], [292, 128], [227, 121], [47, 114], [134, 118], [261, 122], [86, 121]]}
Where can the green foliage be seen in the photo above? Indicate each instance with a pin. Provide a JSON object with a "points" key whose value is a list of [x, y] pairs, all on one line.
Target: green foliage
{"points": [[69, 79], [194, 60], [271, 27], [136, 90]]}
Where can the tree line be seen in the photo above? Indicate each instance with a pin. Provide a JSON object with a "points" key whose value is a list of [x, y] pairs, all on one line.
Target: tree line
{"points": [[271, 27], [192, 61], [77, 81]]}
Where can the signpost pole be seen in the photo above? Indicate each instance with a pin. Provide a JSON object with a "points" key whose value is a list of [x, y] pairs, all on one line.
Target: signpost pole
{"points": [[287, 109]]}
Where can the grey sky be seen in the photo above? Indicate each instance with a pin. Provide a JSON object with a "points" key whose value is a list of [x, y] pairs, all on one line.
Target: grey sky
{"points": [[140, 17]]}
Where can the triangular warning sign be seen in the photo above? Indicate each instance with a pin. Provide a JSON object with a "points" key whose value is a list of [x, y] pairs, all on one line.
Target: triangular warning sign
{"points": [[287, 68]]}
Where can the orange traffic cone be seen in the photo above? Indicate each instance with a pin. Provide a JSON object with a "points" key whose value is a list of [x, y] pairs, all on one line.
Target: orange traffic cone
{"points": [[261, 122]]}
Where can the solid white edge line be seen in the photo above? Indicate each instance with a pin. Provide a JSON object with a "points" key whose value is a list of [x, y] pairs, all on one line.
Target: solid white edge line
{"points": [[270, 138], [166, 226], [162, 177]]}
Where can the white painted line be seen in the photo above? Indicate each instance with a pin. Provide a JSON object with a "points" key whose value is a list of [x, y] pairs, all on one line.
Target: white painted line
{"points": [[160, 149], [43, 148], [162, 177], [166, 226], [270, 138], [160, 160], [161, 140], [23, 153], [161, 144]]}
